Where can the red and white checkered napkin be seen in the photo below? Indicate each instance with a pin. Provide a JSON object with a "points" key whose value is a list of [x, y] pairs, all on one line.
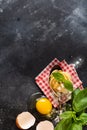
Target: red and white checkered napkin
{"points": [[42, 79]]}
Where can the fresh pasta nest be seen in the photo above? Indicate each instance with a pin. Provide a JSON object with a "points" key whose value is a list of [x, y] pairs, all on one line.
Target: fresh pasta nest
{"points": [[57, 85]]}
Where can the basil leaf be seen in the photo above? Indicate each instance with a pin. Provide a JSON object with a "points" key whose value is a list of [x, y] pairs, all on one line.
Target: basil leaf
{"points": [[68, 85], [75, 92], [64, 124], [83, 118], [76, 126], [67, 114], [58, 76], [80, 101]]}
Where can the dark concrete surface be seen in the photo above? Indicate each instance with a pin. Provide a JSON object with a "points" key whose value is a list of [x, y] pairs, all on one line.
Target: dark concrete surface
{"points": [[32, 33]]}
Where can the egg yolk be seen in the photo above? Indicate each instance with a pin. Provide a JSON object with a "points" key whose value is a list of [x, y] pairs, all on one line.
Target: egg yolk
{"points": [[43, 106]]}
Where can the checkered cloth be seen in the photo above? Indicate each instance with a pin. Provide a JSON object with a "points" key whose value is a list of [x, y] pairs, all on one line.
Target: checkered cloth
{"points": [[42, 79]]}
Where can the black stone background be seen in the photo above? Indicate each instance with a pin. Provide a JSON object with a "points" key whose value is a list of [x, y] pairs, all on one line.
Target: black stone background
{"points": [[32, 33]]}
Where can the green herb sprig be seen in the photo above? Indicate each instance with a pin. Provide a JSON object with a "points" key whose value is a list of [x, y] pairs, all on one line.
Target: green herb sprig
{"points": [[75, 118], [60, 78]]}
